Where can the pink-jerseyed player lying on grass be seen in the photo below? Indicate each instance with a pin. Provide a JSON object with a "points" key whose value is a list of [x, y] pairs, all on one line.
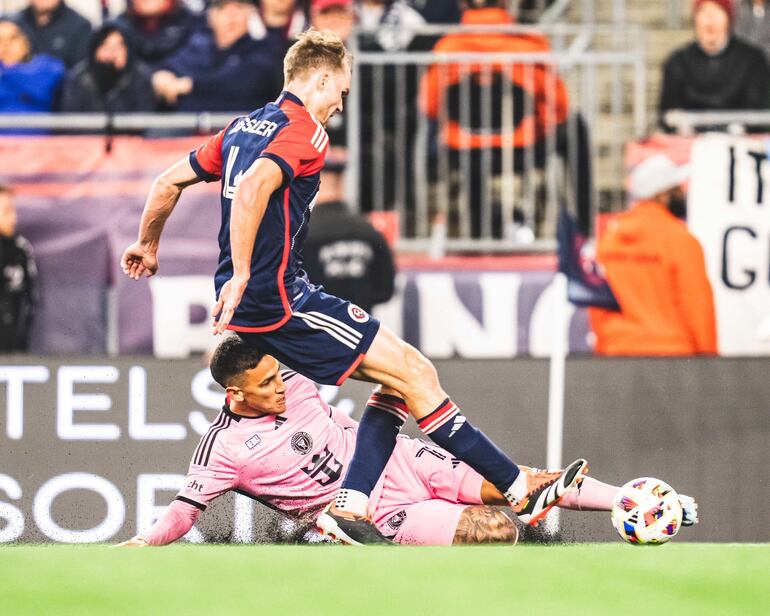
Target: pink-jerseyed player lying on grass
{"points": [[277, 441]]}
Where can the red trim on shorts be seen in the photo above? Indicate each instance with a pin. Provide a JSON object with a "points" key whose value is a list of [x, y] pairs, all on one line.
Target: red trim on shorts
{"points": [[281, 271], [352, 369], [256, 330], [285, 257]]}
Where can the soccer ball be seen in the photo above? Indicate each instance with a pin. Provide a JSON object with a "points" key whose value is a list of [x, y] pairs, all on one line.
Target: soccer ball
{"points": [[646, 511]]}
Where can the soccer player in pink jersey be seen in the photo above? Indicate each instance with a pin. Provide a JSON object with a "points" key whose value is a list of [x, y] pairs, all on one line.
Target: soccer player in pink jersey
{"points": [[277, 441], [269, 163]]}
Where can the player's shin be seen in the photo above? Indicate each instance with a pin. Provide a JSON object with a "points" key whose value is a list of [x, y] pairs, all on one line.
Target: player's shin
{"points": [[380, 424], [450, 429], [590, 495]]}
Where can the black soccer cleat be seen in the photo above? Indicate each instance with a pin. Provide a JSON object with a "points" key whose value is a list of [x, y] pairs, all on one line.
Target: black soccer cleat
{"points": [[546, 490], [349, 528]]}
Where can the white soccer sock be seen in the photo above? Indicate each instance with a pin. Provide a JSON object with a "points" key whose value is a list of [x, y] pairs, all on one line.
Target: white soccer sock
{"points": [[352, 501], [518, 490]]}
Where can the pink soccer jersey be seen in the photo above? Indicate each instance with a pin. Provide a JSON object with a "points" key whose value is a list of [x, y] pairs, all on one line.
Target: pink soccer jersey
{"points": [[295, 463]]}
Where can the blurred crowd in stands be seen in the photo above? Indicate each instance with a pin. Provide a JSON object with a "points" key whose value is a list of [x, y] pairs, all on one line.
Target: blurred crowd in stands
{"points": [[174, 55], [226, 55]]}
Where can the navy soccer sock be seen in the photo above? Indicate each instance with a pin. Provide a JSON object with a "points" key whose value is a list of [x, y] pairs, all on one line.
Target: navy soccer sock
{"points": [[380, 424], [450, 430]]}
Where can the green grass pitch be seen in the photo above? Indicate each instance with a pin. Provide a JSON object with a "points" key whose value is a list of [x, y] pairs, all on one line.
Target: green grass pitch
{"points": [[292, 580]]}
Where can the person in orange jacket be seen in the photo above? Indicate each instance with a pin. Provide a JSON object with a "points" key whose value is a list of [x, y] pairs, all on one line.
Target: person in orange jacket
{"points": [[656, 269], [453, 95]]}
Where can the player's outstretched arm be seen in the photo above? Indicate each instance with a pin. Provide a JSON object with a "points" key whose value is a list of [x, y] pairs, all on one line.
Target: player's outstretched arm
{"points": [[175, 522], [136, 542], [140, 259], [250, 202]]}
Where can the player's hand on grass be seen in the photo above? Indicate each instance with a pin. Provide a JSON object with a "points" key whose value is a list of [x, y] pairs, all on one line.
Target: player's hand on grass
{"points": [[229, 298], [138, 261], [136, 542]]}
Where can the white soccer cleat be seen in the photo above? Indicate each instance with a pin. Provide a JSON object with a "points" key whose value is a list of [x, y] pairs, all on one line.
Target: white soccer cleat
{"points": [[689, 510]]}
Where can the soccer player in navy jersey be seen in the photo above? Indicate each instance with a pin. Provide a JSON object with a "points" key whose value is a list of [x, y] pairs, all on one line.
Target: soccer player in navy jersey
{"points": [[269, 165]]}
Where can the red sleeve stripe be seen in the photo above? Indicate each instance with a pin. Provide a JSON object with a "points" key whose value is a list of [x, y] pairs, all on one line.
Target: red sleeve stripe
{"points": [[317, 133], [387, 409], [439, 417], [389, 404], [320, 137]]}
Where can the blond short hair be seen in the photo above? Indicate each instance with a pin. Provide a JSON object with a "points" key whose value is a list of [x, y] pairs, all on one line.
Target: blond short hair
{"points": [[315, 49]]}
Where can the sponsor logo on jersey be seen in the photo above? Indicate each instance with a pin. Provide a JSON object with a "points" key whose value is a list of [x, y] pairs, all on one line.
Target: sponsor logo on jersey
{"points": [[279, 421], [359, 315], [301, 442], [397, 520], [195, 486], [253, 442]]}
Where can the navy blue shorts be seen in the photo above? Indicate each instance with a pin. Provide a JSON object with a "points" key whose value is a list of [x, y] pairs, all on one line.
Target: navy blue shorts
{"points": [[325, 339]]}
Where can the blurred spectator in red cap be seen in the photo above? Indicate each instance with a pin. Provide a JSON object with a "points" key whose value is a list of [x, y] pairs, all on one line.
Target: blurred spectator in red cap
{"points": [[339, 16], [752, 22], [717, 71], [159, 28]]}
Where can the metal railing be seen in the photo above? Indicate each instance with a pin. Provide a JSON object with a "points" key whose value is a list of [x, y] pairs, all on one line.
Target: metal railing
{"points": [[116, 122], [479, 193], [398, 161], [735, 122]]}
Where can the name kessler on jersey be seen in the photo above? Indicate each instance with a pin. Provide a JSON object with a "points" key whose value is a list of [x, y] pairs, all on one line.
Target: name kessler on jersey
{"points": [[263, 128]]}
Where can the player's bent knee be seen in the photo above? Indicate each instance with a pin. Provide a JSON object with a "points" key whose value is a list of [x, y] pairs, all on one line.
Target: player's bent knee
{"points": [[422, 373], [484, 524]]}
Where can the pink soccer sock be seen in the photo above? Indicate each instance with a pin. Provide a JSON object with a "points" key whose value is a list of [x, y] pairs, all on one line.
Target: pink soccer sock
{"points": [[592, 495]]}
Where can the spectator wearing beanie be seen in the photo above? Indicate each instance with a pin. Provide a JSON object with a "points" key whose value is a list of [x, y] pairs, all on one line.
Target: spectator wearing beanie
{"points": [[717, 71], [111, 79]]}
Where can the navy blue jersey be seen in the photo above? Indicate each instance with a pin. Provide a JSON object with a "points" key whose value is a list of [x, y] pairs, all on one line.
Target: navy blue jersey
{"points": [[286, 133]]}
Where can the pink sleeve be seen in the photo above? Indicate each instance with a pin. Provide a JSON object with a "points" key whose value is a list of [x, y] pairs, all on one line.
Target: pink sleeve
{"points": [[340, 418], [202, 485], [176, 521], [205, 483]]}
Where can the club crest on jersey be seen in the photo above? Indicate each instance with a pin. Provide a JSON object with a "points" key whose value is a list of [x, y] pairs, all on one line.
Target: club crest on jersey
{"points": [[359, 315], [397, 520], [253, 442], [301, 442]]}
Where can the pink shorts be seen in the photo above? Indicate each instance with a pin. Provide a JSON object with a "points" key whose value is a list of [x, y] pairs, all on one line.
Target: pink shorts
{"points": [[422, 493]]}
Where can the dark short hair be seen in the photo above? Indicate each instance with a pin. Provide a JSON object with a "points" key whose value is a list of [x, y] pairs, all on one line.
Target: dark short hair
{"points": [[231, 359], [6, 189]]}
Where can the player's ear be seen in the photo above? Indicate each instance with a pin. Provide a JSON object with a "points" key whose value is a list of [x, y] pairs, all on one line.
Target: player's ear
{"points": [[235, 393], [323, 79]]}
